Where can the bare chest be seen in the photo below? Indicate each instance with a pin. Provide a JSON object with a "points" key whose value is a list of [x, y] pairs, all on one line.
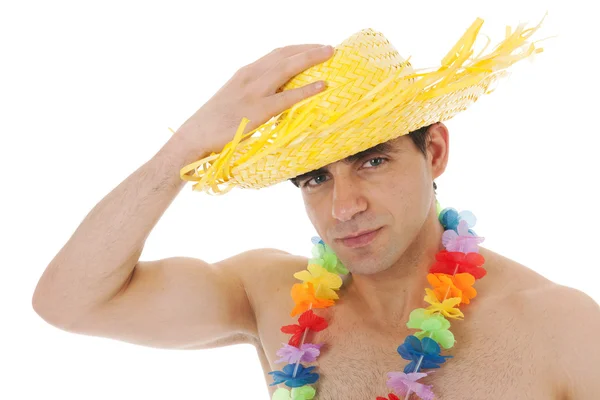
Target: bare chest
{"points": [[493, 358]]}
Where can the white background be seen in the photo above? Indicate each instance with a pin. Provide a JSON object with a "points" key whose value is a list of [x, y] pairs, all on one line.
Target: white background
{"points": [[89, 90]]}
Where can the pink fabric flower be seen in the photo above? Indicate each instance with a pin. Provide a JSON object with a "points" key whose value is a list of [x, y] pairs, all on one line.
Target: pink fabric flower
{"points": [[401, 383], [462, 241], [307, 353]]}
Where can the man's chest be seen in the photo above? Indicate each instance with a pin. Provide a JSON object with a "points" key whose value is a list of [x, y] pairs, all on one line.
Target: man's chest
{"points": [[356, 367], [491, 359]]}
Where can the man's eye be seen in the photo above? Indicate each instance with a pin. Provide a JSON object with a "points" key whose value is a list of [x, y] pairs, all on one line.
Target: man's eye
{"points": [[377, 158], [307, 183], [313, 179]]}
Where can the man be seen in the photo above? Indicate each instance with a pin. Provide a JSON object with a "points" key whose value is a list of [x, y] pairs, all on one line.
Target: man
{"points": [[522, 337]]}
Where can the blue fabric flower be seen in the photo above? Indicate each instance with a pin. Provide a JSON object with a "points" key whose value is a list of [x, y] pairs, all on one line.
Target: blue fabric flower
{"points": [[317, 240], [304, 376], [449, 218], [412, 349]]}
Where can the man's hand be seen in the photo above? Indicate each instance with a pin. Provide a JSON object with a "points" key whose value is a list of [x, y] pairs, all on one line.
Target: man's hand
{"points": [[253, 92]]}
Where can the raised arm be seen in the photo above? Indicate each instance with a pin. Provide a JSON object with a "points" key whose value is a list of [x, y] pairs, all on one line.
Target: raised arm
{"points": [[96, 283], [181, 303]]}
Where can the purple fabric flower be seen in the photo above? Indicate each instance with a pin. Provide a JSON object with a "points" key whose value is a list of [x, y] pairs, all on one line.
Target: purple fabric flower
{"points": [[462, 241], [307, 353], [401, 383]]}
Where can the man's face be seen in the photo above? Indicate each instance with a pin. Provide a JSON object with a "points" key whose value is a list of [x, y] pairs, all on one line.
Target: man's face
{"points": [[389, 189]]}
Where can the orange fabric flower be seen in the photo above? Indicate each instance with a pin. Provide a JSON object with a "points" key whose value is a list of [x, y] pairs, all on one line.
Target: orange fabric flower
{"points": [[304, 295], [459, 285]]}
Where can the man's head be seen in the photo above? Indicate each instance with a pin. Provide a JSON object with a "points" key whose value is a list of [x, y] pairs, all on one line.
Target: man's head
{"points": [[388, 186]]}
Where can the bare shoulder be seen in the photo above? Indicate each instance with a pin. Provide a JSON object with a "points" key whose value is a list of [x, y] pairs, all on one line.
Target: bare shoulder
{"points": [[564, 321], [571, 320], [567, 320], [506, 277], [260, 264], [266, 274], [508, 280]]}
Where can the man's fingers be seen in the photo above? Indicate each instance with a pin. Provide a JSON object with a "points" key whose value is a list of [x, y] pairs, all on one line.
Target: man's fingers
{"points": [[266, 62], [285, 69], [284, 100]]}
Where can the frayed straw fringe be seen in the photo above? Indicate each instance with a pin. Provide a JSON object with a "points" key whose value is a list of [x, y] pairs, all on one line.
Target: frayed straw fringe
{"points": [[314, 133]]}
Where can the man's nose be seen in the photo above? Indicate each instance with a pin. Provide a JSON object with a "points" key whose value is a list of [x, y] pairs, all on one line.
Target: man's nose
{"points": [[348, 199]]}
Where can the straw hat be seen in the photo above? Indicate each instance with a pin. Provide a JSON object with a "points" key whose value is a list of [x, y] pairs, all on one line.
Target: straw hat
{"points": [[373, 95]]}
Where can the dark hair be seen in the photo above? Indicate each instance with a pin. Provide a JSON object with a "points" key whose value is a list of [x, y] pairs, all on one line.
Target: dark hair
{"points": [[420, 138]]}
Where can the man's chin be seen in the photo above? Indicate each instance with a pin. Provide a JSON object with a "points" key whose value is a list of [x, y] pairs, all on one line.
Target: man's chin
{"points": [[364, 266]]}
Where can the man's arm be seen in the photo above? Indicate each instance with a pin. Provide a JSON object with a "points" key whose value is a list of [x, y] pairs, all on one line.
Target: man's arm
{"points": [[576, 329], [96, 284], [98, 259], [182, 303]]}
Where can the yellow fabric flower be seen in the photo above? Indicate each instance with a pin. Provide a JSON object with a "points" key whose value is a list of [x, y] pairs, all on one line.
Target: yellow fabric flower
{"points": [[446, 308], [324, 281]]}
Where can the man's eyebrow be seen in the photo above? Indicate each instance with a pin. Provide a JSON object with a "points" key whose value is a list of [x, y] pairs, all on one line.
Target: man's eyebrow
{"points": [[384, 147]]}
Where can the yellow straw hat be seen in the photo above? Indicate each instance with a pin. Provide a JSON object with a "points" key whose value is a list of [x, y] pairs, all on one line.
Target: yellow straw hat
{"points": [[373, 95]]}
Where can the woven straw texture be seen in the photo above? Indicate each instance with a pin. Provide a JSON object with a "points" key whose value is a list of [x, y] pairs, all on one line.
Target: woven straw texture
{"points": [[373, 95]]}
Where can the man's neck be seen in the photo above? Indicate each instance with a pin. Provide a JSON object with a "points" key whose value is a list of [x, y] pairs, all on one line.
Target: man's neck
{"points": [[395, 292]]}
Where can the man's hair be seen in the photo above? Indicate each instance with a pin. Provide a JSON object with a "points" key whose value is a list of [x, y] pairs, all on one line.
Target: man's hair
{"points": [[420, 138]]}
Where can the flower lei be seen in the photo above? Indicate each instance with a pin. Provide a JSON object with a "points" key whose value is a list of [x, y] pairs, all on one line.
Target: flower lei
{"points": [[451, 278]]}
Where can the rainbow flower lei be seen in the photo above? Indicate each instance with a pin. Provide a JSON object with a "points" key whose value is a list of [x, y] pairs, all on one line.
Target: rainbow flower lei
{"points": [[451, 278]]}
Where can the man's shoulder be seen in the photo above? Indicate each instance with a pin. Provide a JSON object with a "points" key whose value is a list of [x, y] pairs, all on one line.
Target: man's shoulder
{"points": [[562, 321], [555, 306], [266, 256], [569, 313], [267, 275], [510, 280], [507, 279], [566, 322], [264, 267], [556, 312]]}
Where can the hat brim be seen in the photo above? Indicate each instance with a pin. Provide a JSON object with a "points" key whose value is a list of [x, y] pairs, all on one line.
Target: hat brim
{"points": [[309, 135]]}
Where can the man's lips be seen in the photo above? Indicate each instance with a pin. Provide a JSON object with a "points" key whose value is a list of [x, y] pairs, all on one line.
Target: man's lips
{"points": [[359, 233], [361, 239]]}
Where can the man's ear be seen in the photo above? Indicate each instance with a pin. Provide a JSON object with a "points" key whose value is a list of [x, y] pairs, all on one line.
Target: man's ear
{"points": [[438, 147]]}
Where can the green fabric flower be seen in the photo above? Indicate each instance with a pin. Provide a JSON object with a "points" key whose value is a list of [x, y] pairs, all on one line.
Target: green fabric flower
{"points": [[438, 207], [431, 325], [324, 256], [305, 392]]}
